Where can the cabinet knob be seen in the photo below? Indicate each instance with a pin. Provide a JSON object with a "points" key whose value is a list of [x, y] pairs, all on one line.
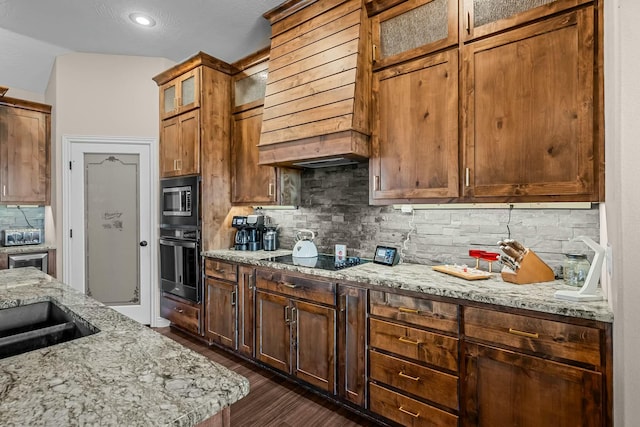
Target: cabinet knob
{"points": [[143, 243]]}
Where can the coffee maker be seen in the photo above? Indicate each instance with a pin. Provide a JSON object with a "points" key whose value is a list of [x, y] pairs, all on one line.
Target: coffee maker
{"points": [[254, 228], [241, 240]]}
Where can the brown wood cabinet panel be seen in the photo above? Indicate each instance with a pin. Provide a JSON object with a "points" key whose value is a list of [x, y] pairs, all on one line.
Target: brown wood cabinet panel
{"points": [[407, 411], [246, 310], [181, 313], [434, 349], [481, 17], [180, 94], [529, 111], [412, 378], [413, 28], [319, 79], [25, 144], [352, 341], [319, 291], [250, 182], [4, 261], [273, 336], [180, 145], [544, 337], [314, 344], [51, 263], [221, 312], [506, 388], [221, 269], [415, 137], [417, 311]]}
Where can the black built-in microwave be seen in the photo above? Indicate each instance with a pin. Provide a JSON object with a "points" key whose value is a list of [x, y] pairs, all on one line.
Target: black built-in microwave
{"points": [[180, 201]]}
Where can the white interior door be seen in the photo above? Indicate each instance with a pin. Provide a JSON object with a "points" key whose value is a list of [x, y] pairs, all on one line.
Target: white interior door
{"points": [[109, 256]]}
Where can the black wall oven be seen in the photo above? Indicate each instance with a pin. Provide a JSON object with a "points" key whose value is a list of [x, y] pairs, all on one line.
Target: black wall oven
{"points": [[180, 237], [180, 263]]}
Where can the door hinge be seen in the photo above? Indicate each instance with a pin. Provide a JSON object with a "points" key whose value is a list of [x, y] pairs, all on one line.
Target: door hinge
{"points": [[70, 167], [70, 233]]}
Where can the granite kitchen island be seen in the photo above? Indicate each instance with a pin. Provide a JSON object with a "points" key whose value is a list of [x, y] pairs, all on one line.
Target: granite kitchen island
{"points": [[124, 375]]}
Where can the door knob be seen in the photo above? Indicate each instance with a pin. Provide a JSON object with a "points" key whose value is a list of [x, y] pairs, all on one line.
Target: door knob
{"points": [[143, 243]]}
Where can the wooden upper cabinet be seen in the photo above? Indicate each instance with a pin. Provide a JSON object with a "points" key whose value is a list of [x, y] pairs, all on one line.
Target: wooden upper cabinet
{"points": [[413, 28], [25, 145], [251, 183], [180, 145], [415, 138], [528, 98], [482, 17], [180, 94], [318, 86]]}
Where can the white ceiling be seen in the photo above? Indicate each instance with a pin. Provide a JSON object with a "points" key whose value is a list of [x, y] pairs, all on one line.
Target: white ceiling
{"points": [[34, 32]]}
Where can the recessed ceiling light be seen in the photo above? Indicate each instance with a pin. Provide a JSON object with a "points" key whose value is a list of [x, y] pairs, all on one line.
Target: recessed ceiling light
{"points": [[142, 19]]}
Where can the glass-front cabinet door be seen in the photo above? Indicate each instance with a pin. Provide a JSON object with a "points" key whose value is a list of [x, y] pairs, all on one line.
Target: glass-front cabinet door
{"points": [[180, 94], [414, 28], [482, 17]]}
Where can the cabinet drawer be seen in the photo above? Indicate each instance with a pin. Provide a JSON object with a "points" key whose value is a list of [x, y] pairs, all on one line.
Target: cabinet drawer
{"points": [[182, 314], [221, 270], [407, 411], [417, 311], [434, 349], [544, 337], [296, 286], [412, 378]]}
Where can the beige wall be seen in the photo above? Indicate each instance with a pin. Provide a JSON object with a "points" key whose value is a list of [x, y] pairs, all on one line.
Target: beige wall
{"points": [[622, 62], [99, 95], [25, 94]]}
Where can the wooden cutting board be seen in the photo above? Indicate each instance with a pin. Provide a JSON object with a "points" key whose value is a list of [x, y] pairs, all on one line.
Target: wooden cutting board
{"points": [[458, 271]]}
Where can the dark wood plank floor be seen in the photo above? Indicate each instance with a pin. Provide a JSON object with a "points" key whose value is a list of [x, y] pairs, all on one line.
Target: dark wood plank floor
{"points": [[272, 401]]}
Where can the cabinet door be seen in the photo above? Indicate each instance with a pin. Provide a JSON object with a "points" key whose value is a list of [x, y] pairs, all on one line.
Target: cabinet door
{"points": [[528, 103], [273, 336], [414, 28], [314, 344], [24, 156], [415, 140], [246, 310], [505, 388], [221, 313], [482, 17], [169, 147], [180, 94], [189, 137], [352, 328], [251, 183]]}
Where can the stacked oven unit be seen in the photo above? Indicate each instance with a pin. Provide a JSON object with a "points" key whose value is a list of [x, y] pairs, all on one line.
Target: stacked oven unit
{"points": [[180, 237]]}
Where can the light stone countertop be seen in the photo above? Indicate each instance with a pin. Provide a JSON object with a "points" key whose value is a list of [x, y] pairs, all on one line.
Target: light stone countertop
{"points": [[25, 249], [124, 375], [423, 279]]}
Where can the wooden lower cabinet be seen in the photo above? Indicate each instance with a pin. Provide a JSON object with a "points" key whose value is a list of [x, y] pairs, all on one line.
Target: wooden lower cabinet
{"points": [[221, 303], [246, 310], [352, 344], [504, 388], [181, 313], [407, 411], [297, 337]]}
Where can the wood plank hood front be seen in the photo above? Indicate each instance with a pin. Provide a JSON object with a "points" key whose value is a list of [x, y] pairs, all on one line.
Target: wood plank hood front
{"points": [[316, 108]]}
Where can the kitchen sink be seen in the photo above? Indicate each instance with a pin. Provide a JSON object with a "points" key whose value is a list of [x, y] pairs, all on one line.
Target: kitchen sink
{"points": [[33, 326]]}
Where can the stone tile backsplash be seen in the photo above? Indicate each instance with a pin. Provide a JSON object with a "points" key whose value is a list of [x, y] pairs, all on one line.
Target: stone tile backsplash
{"points": [[335, 205], [13, 217]]}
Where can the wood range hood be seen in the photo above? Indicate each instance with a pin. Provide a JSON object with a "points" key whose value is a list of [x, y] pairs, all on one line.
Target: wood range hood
{"points": [[316, 107]]}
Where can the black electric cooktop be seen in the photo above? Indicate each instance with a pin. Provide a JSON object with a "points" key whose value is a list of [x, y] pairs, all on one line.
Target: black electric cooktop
{"points": [[322, 261]]}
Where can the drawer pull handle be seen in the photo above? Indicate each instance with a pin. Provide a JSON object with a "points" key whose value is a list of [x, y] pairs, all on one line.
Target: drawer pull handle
{"points": [[523, 334], [408, 310], [179, 310], [409, 377], [414, 415], [408, 341], [289, 285], [220, 270]]}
